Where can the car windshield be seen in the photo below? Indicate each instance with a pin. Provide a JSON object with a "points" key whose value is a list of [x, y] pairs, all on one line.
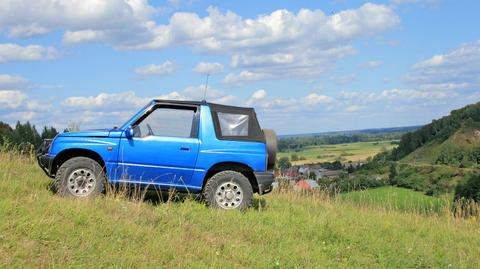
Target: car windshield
{"points": [[140, 111]]}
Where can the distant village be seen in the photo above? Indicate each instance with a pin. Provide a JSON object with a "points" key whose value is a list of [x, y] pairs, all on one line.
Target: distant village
{"points": [[306, 176]]}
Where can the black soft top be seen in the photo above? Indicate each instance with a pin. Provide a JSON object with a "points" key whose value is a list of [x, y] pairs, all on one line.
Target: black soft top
{"points": [[255, 133]]}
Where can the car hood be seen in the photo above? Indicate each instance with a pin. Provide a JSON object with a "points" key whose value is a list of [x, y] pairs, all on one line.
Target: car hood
{"points": [[88, 133]]}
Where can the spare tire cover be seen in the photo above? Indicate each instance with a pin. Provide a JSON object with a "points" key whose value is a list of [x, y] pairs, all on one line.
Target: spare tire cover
{"points": [[271, 141]]}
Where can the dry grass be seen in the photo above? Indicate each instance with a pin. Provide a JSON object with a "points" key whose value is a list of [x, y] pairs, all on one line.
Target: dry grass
{"points": [[286, 229]]}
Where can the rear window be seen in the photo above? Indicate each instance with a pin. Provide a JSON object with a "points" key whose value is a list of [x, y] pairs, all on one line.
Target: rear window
{"points": [[236, 123], [233, 124]]}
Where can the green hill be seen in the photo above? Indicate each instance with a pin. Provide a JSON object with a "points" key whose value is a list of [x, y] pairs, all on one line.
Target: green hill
{"points": [[462, 149], [285, 230], [453, 140]]}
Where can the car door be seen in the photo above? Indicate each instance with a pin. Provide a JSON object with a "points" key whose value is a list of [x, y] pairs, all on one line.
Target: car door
{"points": [[163, 149]]}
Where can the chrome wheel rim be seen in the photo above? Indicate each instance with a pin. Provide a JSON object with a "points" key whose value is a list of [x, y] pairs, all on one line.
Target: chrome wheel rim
{"points": [[81, 182], [229, 195]]}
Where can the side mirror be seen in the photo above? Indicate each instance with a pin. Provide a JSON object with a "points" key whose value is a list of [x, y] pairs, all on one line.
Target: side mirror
{"points": [[129, 133]]}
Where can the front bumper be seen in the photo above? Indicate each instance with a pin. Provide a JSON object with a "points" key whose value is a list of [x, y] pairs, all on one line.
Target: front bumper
{"points": [[44, 160], [264, 180]]}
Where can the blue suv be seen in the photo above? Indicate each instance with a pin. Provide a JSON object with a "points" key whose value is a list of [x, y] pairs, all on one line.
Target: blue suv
{"points": [[198, 147]]}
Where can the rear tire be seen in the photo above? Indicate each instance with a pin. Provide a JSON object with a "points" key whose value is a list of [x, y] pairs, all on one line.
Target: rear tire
{"points": [[80, 177], [228, 190]]}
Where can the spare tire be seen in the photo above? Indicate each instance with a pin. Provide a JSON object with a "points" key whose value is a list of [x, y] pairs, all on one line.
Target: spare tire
{"points": [[271, 141]]}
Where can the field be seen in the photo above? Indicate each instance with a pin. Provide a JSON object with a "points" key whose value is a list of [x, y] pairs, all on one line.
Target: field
{"points": [[284, 230], [354, 152], [400, 199]]}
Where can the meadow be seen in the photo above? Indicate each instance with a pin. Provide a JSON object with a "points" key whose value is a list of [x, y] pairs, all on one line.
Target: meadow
{"points": [[354, 152], [285, 229], [400, 199]]}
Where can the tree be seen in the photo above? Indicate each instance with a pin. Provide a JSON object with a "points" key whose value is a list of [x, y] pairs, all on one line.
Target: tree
{"points": [[48, 133], [284, 163], [469, 189], [393, 173]]}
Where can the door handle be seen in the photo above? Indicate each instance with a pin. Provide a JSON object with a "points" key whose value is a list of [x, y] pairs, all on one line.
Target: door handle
{"points": [[185, 148]]}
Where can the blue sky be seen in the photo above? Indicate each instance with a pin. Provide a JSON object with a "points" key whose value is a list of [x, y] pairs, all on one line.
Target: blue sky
{"points": [[306, 66]]}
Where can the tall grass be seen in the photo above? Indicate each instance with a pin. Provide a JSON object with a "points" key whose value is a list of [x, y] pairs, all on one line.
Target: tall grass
{"points": [[285, 229]]}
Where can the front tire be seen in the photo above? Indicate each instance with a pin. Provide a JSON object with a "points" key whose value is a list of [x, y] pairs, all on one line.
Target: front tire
{"points": [[228, 190], [80, 177]]}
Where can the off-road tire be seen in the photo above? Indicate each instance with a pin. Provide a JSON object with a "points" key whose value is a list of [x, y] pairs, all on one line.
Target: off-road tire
{"points": [[210, 191], [65, 171]]}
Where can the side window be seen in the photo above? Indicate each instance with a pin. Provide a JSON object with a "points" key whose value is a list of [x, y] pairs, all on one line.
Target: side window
{"points": [[233, 124], [164, 121]]}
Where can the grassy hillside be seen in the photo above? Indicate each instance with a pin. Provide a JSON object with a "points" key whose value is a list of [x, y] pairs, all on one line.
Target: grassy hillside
{"points": [[451, 140], [287, 230], [397, 198], [455, 150], [359, 151]]}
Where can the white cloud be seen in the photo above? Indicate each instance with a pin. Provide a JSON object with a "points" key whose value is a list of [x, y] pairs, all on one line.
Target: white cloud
{"points": [[208, 68], [11, 80], [82, 36], [256, 97], [13, 52], [260, 94], [243, 76], [27, 30], [11, 99], [162, 69], [302, 44], [371, 64], [113, 18], [106, 101], [444, 86], [315, 99], [455, 70]]}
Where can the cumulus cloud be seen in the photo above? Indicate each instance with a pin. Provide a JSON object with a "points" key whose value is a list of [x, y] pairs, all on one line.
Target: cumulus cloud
{"points": [[11, 80], [13, 52], [315, 99], [256, 97], [27, 30], [129, 99], [106, 101], [244, 76], [208, 68], [82, 36], [115, 19], [11, 99], [301, 44], [162, 69], [455, 70]]}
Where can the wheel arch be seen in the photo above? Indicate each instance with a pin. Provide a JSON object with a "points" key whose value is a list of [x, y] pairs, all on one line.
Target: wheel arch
{"points": [[242, 168], [67, 154]]}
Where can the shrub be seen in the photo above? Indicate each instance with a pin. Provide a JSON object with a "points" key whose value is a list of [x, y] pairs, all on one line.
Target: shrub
{"points": [[469, 189]]}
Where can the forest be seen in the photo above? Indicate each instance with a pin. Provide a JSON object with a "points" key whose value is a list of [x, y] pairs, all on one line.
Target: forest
{"points": [[439, 131], [24, 134]]}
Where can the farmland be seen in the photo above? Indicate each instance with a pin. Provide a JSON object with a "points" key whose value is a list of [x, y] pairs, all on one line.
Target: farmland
{"points": [[354, 152], [283, 230]]}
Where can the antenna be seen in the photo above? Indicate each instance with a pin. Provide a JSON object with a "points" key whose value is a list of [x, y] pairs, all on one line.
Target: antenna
{"points": [[205, 91]]}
